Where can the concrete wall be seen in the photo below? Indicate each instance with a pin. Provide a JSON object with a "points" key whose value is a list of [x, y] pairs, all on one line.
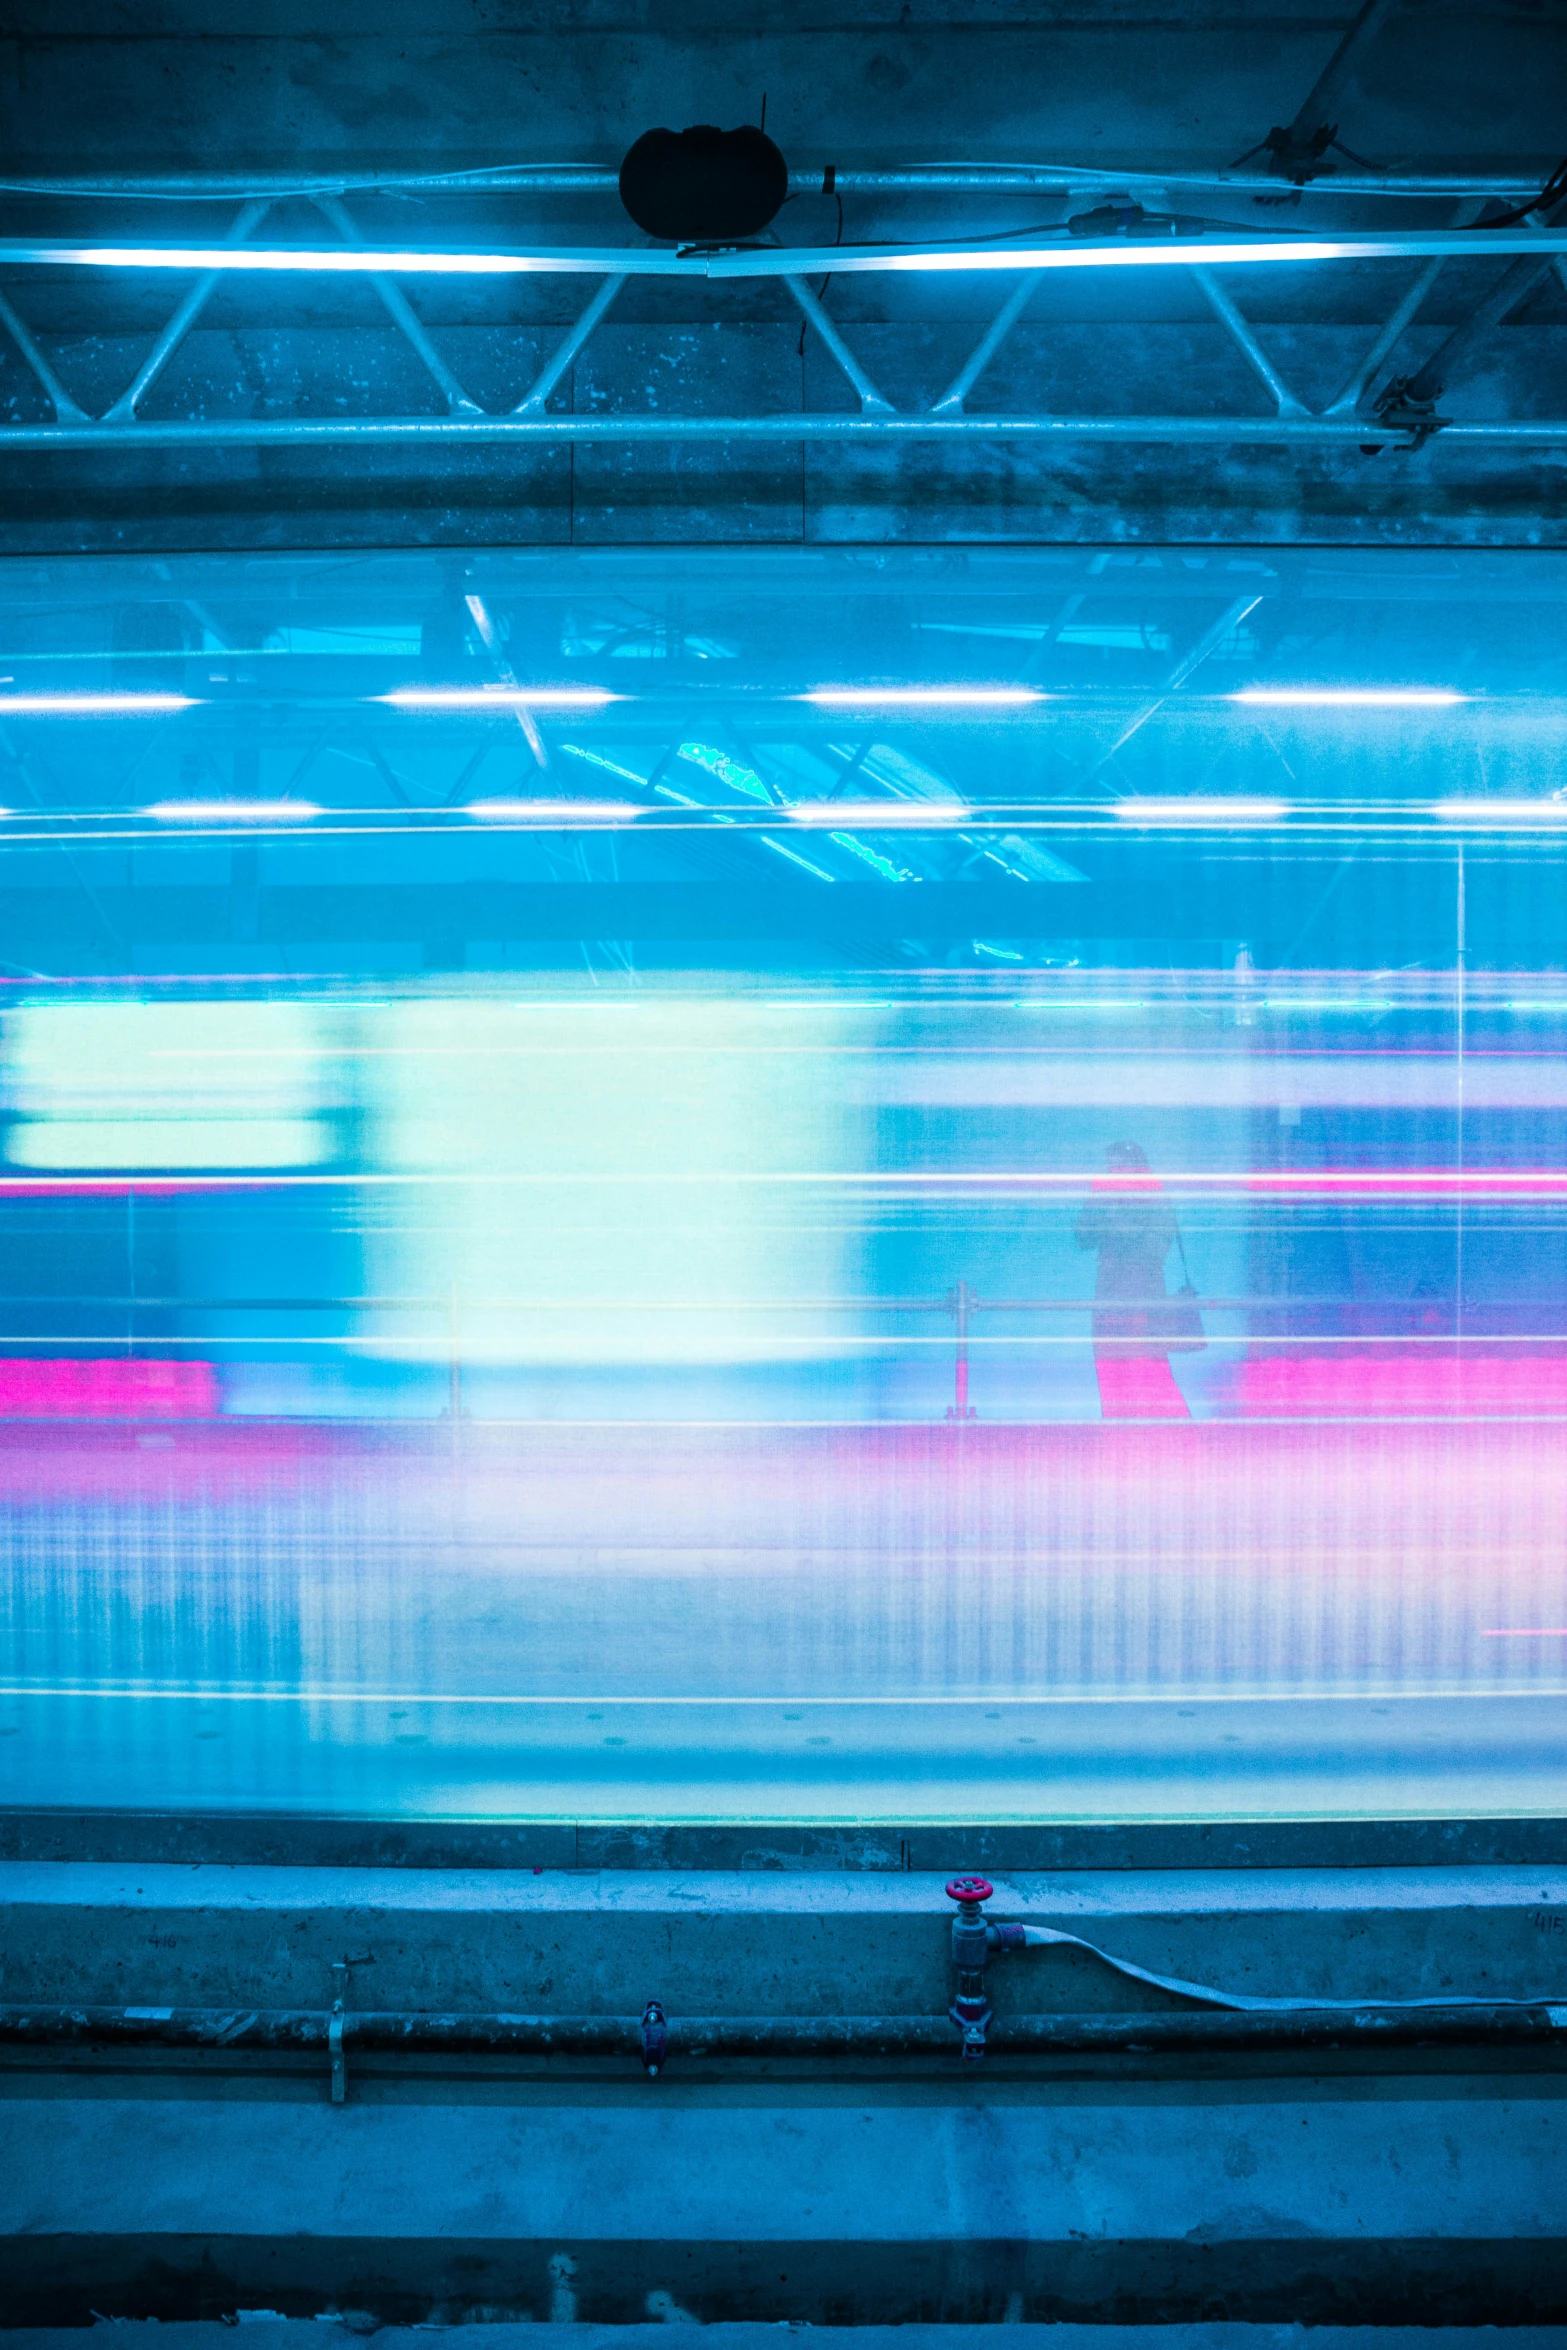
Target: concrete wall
{"points": [[1432, 2203], [421, 84], [1419, 2184], [602, 1942]]}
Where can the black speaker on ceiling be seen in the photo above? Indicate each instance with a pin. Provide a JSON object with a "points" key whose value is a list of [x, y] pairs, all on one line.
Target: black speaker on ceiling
{"points": [[703, 186]]}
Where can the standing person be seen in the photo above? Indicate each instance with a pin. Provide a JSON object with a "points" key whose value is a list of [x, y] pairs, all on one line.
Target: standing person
{"points": [[1131, 1224]]}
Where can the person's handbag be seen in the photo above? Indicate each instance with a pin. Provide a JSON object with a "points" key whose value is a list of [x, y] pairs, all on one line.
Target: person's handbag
{"points": [[1177, 1324]]}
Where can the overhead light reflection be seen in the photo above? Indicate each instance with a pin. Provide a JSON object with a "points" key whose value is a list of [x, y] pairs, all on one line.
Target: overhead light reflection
{"points": [[879, 815], [1200, 810], [1356, 697], [921, 697], [92, 705], [552, 811], [499, 697], [231, 811], [1548, 813]]}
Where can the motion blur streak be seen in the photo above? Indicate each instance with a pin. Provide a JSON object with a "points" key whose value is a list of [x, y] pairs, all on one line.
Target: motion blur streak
{"points": [[513, 1307], [828, 1621]]}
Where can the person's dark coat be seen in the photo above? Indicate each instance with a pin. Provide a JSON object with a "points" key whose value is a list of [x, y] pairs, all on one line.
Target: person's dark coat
{"points": [[1131, 1224]]}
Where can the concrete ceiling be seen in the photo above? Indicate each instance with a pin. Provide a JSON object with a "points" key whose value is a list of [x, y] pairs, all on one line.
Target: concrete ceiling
{"points": [[267, 95], [160, 85]]}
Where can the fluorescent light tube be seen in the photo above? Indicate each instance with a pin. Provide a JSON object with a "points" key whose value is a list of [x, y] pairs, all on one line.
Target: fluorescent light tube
{"points": [[782, 261]]}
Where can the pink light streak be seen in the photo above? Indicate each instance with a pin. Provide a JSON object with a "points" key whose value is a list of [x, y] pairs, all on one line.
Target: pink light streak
{"points": [[117, 1388], [1438, 1381]]}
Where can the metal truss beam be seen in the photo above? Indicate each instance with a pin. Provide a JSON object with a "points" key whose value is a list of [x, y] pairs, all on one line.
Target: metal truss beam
{"points": [[399, 310], [328, 431], [565, 352], [1512, 289], [871, 400], [65, 408], [968, 375], [946, 179], [1240, 333], [1534, 249], [123, 411], [1402, 317], [1356, 391]]}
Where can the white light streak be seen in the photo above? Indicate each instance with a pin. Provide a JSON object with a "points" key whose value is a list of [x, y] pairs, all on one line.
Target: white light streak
{"points": [[499, 697], [879, 815], [93, 705], [232, 811], [1548, 814], [1176, 253], [922, 697], [778, 261], [1348, 697], [1202, 811], [552, 811], [93, 1143], [340, 260]]}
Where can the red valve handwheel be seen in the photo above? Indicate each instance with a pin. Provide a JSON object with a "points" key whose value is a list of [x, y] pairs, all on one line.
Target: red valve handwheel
{"points": [[969, 1889]]}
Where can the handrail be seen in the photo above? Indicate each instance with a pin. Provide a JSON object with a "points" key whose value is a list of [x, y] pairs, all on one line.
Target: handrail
{"points": [[959, 1306]]}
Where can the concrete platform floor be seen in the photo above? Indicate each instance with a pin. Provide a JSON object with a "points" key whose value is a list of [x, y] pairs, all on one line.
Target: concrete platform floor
{"points": [[554, 1623]]}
